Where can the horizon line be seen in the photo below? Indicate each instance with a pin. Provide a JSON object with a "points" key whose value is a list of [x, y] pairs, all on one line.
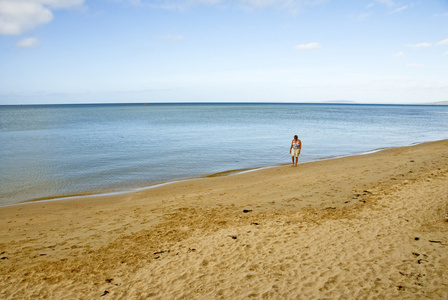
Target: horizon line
{"points": [[343, 102]]}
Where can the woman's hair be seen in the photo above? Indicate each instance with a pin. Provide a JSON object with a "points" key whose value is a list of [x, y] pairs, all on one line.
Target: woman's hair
{"points": [[296, 137]]}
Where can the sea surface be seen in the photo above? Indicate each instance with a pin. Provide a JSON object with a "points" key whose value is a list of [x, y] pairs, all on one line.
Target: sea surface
{"points": [[53, 151]]}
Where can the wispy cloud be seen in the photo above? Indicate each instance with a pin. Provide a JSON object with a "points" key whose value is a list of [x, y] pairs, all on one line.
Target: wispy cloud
{"points": [[309, 46], [28, 43], [441, 15], [290, 5], [293, 6], [20, 16], [399, 9], [445, 54], [444, 42], [135, 2], [420, 45], [388, 3], [392, 6], [418, 66], [399, 54], [172, 37], [363, 16]]}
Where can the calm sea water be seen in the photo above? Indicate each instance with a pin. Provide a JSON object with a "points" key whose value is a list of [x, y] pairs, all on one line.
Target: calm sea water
{"points": [[54, 151]]}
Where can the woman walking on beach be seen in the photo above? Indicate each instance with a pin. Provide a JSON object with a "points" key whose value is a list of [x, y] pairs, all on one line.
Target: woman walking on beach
{"points": [[296, 146]]}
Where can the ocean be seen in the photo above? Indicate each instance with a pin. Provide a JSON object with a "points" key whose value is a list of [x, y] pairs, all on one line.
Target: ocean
{"points": [[55, 151]]}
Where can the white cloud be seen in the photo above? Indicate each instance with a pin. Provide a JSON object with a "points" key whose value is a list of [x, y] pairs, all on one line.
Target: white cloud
{"points": [[441, 15], [445, 54], [399, 54], [28, 43], [180, 5], [444, 42], [60, 3], [19, 16], [399, 9], [309, 46], [416, 66], [172, 37], [259, 3], [293, 6], [389, 3], [363, 16], [421, 45]]}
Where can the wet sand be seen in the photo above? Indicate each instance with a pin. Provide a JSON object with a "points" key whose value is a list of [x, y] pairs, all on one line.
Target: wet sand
{"points": [[361, 227]]}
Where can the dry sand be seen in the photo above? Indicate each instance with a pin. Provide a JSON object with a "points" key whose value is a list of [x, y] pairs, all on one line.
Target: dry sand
{"points": [[362, 227]]}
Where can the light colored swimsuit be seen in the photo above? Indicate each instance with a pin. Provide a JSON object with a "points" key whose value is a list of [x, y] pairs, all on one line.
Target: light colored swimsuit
{"points": [[295, 149], [296, 146]]}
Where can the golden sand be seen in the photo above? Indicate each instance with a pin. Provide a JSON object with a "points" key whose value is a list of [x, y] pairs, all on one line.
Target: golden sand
{"points": [[362, 227]]}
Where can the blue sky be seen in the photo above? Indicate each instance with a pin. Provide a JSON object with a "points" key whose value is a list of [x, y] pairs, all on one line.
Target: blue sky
{"points": [[82, 51]]}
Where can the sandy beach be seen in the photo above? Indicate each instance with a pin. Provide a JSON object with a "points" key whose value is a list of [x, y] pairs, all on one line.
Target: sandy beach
{"points": [[362, 227]]}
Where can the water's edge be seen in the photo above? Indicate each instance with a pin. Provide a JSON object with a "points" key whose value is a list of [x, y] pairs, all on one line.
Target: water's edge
{"points": [[203, 176]]}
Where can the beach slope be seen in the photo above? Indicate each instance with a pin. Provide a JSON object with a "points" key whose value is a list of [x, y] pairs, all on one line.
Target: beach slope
{"points": [[361, 227]]}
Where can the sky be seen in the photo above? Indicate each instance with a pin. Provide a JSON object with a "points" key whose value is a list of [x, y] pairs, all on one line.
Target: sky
{"points": [[120, 51]]}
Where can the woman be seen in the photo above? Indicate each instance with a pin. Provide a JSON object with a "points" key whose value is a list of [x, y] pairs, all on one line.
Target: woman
{"points": [[296, 146]]}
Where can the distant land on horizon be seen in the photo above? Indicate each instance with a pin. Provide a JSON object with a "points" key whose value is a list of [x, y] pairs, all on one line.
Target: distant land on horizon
{"points": [[354, 102], [439, 103]]}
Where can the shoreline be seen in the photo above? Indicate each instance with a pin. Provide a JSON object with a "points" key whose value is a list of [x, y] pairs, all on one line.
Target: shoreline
{"points": [[202, 176], [365, 226]]}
